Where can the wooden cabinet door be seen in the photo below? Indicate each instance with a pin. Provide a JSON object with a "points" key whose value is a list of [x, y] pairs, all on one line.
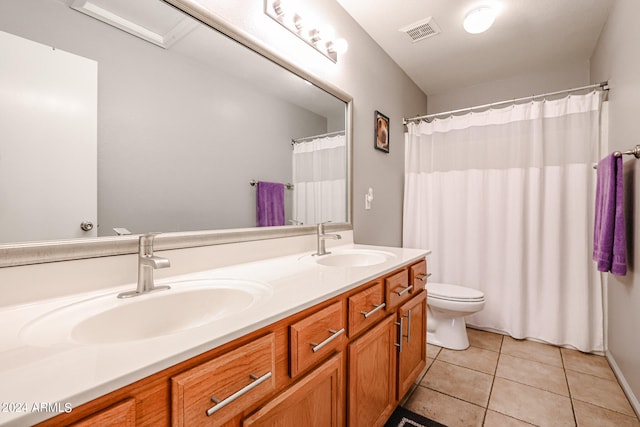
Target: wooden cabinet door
{"points": [[372, 375], [412, 354], [317, 400]]}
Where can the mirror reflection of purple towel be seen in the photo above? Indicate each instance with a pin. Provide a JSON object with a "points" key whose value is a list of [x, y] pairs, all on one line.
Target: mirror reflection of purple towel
{"points": [[270, 204], [609, 235]]}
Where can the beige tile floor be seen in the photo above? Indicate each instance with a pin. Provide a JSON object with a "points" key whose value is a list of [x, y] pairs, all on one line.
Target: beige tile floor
{"points": [[500, 381]]}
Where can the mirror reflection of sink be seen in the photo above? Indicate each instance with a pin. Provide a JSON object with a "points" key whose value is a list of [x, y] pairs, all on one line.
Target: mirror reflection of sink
{"points": [[350, 258], [107, 319]]}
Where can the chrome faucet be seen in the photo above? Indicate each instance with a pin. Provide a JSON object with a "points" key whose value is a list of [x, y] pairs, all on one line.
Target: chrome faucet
{"points": [[147, 262], [321, 250]]}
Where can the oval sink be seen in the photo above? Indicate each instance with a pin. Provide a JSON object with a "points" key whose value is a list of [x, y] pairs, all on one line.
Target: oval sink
{"points": [[351, 258], [108, 319]]}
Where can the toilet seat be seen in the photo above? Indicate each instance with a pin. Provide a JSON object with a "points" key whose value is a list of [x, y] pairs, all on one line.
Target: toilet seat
{"points": [[448, 292]]}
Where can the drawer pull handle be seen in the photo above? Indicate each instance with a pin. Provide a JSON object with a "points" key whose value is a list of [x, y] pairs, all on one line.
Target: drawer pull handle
{"points": [[399, 343], [423, 277], [378, 307], [403, 291], [335, 334], [221, 404]]}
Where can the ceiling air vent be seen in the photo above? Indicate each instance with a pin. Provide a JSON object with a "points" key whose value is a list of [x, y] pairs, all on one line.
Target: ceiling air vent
{"points": [[422, 29]]}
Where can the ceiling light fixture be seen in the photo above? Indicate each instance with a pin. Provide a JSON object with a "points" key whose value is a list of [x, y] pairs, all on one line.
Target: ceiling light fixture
{"points": [[479, 20], [321, 38]]}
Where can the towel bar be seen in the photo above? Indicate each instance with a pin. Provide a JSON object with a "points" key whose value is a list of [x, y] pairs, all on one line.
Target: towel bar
{"points": [[635, 152], [288, 185]]}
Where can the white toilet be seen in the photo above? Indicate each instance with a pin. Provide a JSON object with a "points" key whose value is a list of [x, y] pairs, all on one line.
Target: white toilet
{"points": [[447, 305]]}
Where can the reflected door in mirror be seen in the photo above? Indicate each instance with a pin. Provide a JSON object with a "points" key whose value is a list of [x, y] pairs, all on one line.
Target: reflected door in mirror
{"points": [[48, 142]]}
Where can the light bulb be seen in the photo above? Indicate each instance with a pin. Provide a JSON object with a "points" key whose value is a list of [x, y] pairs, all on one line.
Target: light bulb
{"points": [[314, 36], [281, 7], [298, 22], [338, 46], [479, 20]]}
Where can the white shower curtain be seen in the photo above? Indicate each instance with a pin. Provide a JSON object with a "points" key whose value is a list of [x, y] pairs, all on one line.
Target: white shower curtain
{"points": [[319, 178], [504, 199]]}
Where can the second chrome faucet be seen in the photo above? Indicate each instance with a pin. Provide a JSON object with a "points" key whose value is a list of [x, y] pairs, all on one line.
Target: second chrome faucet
{"points": [[147, 262], [321, 250]]}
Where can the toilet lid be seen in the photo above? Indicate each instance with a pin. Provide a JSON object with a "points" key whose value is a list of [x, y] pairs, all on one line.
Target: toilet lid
{"points": [[450, 292]]}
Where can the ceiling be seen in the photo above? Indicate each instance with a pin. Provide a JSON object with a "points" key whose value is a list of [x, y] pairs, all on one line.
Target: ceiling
{"points": [[528, 36], [165, 26]]}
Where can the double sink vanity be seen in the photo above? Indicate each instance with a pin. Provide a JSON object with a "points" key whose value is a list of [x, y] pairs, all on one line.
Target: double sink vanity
{"points": [[338, 337], [241, 325]]}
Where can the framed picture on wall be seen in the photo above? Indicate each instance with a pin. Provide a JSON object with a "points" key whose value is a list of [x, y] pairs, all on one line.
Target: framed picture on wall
{"points": [[381, 132]]}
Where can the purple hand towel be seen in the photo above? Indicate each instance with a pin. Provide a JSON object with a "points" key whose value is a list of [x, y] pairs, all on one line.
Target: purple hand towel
{"points": [[270, 204], [609, 235]]}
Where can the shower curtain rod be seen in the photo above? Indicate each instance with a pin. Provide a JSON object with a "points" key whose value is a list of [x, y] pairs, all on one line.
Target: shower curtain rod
{"points": [[297, 140], [601, 85]]}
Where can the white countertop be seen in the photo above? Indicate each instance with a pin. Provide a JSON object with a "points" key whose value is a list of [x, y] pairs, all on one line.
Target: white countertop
{"points": [[72, 374]]}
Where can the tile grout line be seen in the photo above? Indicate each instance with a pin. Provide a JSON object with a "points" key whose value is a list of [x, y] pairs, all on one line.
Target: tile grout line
{"points": [[566, 379], [493, 380]]}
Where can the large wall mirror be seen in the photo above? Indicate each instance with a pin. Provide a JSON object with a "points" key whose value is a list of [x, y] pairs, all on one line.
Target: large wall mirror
{"points": [[120, 118]]}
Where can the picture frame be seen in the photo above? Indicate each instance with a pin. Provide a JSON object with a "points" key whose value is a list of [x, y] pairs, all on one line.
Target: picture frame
{"points": [[381, 132]]}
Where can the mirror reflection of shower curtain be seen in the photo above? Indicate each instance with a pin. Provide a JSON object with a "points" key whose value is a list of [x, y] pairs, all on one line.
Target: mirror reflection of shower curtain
{"points": [[319, 178], [505, 199]]}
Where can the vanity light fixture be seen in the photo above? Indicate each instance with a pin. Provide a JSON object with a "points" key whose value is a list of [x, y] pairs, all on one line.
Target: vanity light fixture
{"points": [[320, 38], [479, 20]]}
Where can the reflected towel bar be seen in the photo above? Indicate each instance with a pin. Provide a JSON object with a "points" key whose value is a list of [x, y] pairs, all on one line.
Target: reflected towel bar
{"points": [[288, 185]]}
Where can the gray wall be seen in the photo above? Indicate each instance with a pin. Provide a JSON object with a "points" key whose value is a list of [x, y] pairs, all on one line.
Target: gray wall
{"points": [[374, 81], [178, 142], [616, 59], [560, 77]]}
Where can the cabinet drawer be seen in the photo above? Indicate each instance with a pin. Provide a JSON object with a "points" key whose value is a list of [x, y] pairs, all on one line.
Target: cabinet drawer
{"points": [[366, 308], [397, 289], [236, 380], [316, 336], [121, 414], [418, 276]]}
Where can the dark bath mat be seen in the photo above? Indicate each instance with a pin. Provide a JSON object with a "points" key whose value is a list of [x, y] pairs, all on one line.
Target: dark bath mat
{"points": [[402, 417]]}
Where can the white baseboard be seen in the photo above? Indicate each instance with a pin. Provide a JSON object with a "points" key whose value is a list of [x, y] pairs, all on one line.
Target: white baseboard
{"points": [[633, 400]]}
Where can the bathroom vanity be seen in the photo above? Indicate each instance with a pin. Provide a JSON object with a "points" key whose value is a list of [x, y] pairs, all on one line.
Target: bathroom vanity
{"points": [[254, 328], [333, 339]]}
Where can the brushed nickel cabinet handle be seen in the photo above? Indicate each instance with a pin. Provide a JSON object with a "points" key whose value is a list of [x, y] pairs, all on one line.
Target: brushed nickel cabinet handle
{"points": [[221, 404], [335, 334], [378, 307], [408, 326], [403, 291], [423, 277], [399, 343]]}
